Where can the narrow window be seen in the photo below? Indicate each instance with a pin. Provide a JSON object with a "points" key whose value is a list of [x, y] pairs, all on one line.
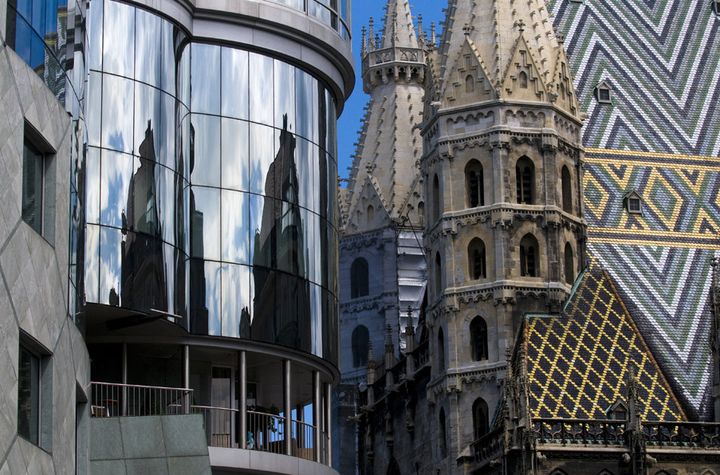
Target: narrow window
{"points": [[469, 84], [359, 278], [438, 276], [474, 184], [716, 7], [442, 436], [476, 259], [524, 179], [569, 264], [37, 183], [370, 213], [421, 212], [360, 346], [562, 91], [529, 256], [29, 395], [436, 198], [441, 350], [479, 339], [480, 418], [523, 80], [566, 190]]}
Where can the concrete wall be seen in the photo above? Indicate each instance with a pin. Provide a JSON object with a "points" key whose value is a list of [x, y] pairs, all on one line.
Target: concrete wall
{"points": [[158, 444], [34, 280]]}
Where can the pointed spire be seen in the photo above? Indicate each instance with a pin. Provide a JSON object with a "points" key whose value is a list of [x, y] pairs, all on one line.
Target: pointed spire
{"points": [[363, 41], [371, 34], [399, 29]]}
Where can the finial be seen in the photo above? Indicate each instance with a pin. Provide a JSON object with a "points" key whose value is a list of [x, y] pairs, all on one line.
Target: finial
{"points": [[371, 33], [433, 38], [520, 24], [560, 38], [394, 30], [421, 33], [468, 28], [364, 41]]}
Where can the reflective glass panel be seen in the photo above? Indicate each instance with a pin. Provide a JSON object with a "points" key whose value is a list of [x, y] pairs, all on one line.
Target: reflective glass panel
{"points": [[235, 151], [205, 222], [236, 301], [183, 76], [117, 114], [148, 44], [170, 36], [92, 186], [308, 175], [235, 231], [117, 199], [306, 93], [261, 157], [28, 381], [261, 91], [147, 121], [111, 260], [95, 25], [313, 247], [262, 231], [205, 150], [234, 83], [165, 132], [166, 182], [94, 113], [119, 39], [205, 288], [205, 78], [284, 96]]}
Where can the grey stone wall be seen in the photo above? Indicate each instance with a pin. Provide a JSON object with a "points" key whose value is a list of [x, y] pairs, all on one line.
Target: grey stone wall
{"points": [[34, 279], [158, 444]]}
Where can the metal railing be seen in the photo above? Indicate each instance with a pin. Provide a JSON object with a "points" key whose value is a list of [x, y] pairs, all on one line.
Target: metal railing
{"points": [[682, 434], [115, 399], [580, 431]]}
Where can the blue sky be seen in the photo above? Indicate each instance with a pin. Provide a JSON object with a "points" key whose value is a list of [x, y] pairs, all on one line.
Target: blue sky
{"points": [[362, 10]]}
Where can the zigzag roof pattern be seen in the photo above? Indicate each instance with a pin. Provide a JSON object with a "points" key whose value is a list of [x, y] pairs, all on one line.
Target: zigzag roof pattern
{"points": [[578, 365], [659, 137]]}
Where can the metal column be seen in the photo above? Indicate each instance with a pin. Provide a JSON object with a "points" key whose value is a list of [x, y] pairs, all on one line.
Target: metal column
{"points": [[242, 413], [328, 421], [287, 407], [317, 415], [186, 378], [123, 406]]}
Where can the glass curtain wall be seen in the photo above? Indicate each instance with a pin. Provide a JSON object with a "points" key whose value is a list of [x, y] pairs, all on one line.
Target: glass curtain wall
{"points": [[211, 184]]}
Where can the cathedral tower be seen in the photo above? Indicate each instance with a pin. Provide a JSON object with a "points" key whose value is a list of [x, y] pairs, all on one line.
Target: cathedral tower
{"points": [[504, 230]]}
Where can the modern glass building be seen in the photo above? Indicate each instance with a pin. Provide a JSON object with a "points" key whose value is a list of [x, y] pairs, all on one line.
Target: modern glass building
{"points": [[209, 238]]}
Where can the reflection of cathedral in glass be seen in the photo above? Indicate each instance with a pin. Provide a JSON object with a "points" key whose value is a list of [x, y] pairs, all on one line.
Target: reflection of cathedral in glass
{"points": [[281, 300], [143, 276]]}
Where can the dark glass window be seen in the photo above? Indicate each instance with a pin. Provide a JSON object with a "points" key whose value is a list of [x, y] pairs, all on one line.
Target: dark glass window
{"points": [[441, 350], [29, 395], [474, 184], [33, 184], [524, 178], [479, 339], [480, 418], [359, 279], [438, 275], [442, 439], [436, 198], [529, 256], [360, 346], [569, 264], [476, 259], [566, 190]]}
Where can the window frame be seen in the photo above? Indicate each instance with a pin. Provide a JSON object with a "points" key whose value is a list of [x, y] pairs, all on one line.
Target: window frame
{"points": [[44, 403], [601, 88], [35, 143]]}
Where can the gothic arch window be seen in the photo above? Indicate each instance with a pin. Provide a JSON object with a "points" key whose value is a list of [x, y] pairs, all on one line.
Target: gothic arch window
{"points": [[480, 418], [524, 180], [474, 184], [569, 264], [421, 211], [359, 278], [477, 264], [479, 339], [566, 190], [441, 350], [370, 213], [523, 80], [469, 84], [436, 198], [360, 346], [438, 275], [529, 256], [562, 91], [442, 439]]}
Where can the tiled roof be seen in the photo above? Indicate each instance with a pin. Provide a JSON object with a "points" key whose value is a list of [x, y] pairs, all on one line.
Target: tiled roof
{"points": [[578, 364]]}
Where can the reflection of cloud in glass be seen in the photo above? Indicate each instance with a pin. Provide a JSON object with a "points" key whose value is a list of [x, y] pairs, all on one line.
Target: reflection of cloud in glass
{"points": [[119, 40], [92, 262], [261, 156], [110, 264], [117, 169], [117, 114], [147, 64], [316, 314], [92, 185]]}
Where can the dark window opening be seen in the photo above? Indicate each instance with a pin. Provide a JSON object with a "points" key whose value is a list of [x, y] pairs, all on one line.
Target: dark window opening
{"points": [[569, 264], [634, 205], [476, 259], [529, 256], [436, 198], [469, 84], [360, 346], [566, 190], [523, 80], [438, 276], [29, 395], [480, 418], [524, 178], [359, 278], [441, 350], [442, 439], [474, 184], [33, 186], [479, 339]]}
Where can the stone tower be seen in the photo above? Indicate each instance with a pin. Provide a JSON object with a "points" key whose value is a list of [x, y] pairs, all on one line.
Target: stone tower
{"points": [[382, 279], [504, 231]]}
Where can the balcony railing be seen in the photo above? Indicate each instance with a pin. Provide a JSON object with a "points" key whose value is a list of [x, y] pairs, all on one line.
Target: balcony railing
{"points": [[114, 400], [682, 434], [488, 446], [580, 431]]}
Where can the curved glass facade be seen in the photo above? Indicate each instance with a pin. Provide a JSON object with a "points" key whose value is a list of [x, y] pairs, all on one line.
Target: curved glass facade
{"points": [[333, 13], [210, 184]]}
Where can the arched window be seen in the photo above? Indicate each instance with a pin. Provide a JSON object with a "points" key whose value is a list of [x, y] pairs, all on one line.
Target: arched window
{"points": [[421, 212], [441, 350], [569, 264], [562, 91], [529, 256], [360, 346], [359, 278], [436, 198], [474, 184], [438, 276], [370, 213], [476, 259], [524, 180], [566, 190], [442, 436], [469, 84], [479, 339], [480, 418], [523, 80]]}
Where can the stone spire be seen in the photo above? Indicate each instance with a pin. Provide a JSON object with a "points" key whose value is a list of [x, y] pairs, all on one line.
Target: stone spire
{"points": [[399, 28]]}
